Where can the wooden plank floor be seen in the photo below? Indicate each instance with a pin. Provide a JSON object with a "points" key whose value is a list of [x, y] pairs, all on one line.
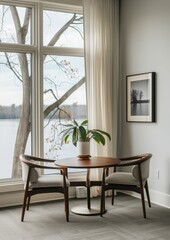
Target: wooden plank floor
{"points": [[124, 220]]}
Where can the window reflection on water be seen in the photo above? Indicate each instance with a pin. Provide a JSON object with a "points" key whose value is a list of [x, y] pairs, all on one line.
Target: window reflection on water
{"points": [[140, 109]]}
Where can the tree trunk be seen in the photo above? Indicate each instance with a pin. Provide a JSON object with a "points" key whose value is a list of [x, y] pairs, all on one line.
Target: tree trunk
{"points": [[24, 122]]}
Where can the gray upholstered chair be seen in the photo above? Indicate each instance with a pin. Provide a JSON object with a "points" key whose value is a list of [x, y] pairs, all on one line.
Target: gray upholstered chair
{"points": [[136, 180], [35, 183]]}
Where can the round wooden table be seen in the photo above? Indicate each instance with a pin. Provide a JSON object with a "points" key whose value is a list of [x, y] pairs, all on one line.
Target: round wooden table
{"points": [[84, 163]]}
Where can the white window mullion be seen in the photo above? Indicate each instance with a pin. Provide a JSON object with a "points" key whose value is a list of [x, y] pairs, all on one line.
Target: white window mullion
{"points": [[21, 48], [63, 51], [37, 88], [40, 116], [63, 7], [34, 82]]}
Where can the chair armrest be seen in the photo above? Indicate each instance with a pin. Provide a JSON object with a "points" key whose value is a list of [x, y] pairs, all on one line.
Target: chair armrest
{"points": [[38, 159], [135, 160], [130, 158], [35, 162], [130, 162], [31, 164], [140, 156]]}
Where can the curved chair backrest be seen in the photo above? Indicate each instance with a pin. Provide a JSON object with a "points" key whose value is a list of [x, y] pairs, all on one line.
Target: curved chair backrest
{"points": [[26, 163], [144, 162]]}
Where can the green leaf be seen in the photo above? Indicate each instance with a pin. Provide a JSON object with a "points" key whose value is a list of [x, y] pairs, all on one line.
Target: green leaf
{"points": [[104, 133], [84, 122], [75, 123], [98, 137], [65, 133], [68, 125], [82, 131], [75, 137], [67, 130], [66, 138]]}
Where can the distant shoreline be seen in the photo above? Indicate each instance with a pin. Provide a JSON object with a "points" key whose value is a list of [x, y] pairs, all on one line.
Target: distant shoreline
{"points": [[75, 110], [140, 101]]}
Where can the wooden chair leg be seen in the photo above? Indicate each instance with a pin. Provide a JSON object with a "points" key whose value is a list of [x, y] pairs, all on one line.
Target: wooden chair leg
{"points": [[88, 198], [142, 192], [28, 202], [102, 203], [66, 201], [88, 189], [113, 195], [23, 207], [147, 193], [143, 203]]}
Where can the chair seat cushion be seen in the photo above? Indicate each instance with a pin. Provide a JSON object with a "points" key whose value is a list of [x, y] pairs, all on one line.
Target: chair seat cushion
{"points": [[121, 178], [52, 180]]}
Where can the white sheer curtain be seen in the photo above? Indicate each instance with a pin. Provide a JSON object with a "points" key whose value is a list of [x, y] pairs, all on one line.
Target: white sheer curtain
{"points": [[101, 21]]}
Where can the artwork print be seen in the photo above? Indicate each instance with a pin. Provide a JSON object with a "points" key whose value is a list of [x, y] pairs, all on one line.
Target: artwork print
{"points": [[141, 97]]}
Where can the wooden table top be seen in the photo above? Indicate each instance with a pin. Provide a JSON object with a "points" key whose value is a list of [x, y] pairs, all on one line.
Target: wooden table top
{"points": [[93, 162]]}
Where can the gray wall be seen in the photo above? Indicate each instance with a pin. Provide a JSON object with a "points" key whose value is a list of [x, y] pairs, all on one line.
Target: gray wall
{"points": [[145, 47]]}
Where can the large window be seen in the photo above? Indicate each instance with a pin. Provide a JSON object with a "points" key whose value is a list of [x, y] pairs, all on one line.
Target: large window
{"points": [[39, 90]]}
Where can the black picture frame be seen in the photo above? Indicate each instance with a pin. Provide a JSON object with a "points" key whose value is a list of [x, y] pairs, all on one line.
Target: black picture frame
{"points": [[140, 97]]}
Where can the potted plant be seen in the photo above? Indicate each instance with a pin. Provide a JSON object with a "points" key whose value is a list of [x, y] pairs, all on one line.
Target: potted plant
{"points": [[81, 135]]}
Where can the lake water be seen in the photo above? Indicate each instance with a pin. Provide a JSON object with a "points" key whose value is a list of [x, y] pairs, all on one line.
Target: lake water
{"points": [[8, 130], [140, 109]]}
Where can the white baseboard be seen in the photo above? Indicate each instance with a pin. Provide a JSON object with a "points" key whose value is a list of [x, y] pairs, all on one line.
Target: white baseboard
{"points": [[156, 197], [160, 198]]}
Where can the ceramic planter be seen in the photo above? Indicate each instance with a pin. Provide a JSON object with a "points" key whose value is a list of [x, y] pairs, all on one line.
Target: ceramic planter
{"points": [[84, 149]]}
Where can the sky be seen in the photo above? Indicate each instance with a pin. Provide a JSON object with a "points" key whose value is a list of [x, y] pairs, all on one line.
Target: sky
{"points": [[141, 85]]}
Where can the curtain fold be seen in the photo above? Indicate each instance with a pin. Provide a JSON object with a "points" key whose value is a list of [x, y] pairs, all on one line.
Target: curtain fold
{"points": [[101, 23]]}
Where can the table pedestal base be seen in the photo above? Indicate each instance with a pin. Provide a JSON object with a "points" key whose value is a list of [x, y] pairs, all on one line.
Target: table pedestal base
{"points": [[81, 210]]}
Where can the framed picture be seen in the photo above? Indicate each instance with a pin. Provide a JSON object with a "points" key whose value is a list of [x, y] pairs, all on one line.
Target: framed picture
{"points": [[140, 92]]}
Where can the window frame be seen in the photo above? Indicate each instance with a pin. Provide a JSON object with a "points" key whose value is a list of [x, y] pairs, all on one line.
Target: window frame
{"points": [[37, 50]]}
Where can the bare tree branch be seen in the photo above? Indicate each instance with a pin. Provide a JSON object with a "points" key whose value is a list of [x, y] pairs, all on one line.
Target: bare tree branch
{"points": [[60, 110], [26, 22], [50, 118], [59, 33], [21, 31], [50, 90], [3, 15], [12, 68], [17, 24], [78, 30], [63, 98]]}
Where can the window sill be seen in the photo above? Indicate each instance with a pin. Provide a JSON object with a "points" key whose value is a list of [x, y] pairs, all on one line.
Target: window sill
{"points": [[14, 186], [11, 186]]}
